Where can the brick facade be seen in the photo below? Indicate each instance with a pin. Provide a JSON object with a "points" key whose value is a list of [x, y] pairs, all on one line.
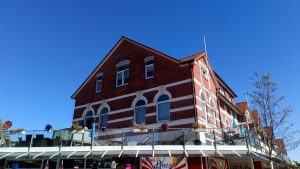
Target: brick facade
{"points": [[182, 79]]}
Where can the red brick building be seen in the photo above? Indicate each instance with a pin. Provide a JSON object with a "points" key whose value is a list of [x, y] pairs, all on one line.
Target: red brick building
{"points": [[190, 89], [137, 86]]}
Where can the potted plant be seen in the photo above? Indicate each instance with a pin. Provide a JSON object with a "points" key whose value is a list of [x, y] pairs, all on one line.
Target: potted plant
{"points": [[199, 128], [139, 128], [49, 128], [76, 128], [164, 127], [17, 131]]}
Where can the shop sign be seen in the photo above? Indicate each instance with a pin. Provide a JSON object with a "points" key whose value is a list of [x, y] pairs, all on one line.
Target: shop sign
{"points": [[164, 163]]}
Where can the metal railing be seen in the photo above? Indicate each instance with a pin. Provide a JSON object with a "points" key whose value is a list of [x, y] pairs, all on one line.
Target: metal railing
{"points": [[217, 138], [108, 137]]}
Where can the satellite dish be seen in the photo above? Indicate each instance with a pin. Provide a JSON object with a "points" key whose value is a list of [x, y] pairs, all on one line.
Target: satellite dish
{"points": [[7, 124]]}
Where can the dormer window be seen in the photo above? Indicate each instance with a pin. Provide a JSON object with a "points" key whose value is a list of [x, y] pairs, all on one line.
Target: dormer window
{"points": [[99, 82], [149, 67], [122, 73], [204, 72]]}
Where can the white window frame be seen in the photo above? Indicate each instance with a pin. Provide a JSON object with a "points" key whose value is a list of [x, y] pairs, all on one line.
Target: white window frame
{"points": [[157, 105], [146, 66], [123, 77], [202, 72]]}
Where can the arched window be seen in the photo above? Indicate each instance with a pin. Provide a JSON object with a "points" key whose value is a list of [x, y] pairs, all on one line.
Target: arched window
{"points": [[163, 108], [140, 110], [227, 123], [89, 120], [203, 105], [103, 118], [213, 112]]}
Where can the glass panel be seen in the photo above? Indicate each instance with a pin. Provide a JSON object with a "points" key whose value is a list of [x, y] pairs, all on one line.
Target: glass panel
{"points": [[163, 98], [99, 85], [150, 71], [140, 115], [89, 113], [103, 117], [119, 78], [123, 67], [126, 76], [163, 111], [89, 122], [204, 111], [140, 103], [212, 111], [149, 62]]}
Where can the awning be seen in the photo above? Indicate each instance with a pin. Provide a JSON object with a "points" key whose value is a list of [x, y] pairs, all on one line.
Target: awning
{"points": [[121, 151]]}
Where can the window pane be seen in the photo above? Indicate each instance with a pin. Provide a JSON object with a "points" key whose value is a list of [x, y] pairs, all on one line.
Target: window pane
{"points": [[149, 62], [163, 98], [103, 120], [99, 86], [89, 113], [119, 78], [103, 117], [204, 111], [123, 67], [140, 103], [164, 111], [89, 122], [126, 76], [150, 71], [140, 115]]}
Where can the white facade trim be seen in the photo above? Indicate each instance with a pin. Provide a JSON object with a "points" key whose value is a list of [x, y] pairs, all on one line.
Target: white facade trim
{"points": [[132, 108], [134, 93]]}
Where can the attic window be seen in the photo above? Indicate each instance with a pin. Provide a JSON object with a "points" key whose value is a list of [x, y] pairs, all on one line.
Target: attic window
{"points": [[122, 73], [149, 67], [204, 72], [99, 82]]}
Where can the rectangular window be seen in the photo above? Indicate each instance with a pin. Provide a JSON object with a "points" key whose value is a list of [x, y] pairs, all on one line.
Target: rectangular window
{"points": [[122, 75], [149, 69], [99, 84]]}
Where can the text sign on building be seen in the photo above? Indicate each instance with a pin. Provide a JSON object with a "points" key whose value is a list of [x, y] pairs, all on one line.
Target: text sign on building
{"points": [[164, 163]]}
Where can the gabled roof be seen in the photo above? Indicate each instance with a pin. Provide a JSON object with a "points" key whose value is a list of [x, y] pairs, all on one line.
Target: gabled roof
{"points": [[196, 57], [192, 57], [121, 40], [242, 106]]}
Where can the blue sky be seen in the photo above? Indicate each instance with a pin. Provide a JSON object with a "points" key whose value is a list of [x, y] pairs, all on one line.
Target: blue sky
{"points": [[48, 48]]}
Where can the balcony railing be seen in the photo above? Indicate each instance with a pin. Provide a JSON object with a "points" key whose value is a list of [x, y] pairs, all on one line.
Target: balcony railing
{"points": [[134, 142]]}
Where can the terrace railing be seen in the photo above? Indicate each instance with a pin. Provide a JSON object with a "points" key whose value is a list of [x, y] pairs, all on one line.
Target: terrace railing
{"points": [[209, 141]]}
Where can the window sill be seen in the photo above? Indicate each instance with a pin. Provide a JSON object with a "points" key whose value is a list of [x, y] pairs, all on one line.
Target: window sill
{"points": [[122, 85], [149, 77]]}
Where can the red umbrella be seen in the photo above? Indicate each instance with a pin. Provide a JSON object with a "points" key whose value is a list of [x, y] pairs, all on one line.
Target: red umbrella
{"points": [[7, 124]]}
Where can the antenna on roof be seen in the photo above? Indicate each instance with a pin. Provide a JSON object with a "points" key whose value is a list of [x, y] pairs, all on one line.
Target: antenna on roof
{"points": [[205, 45], [246, 94]]}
